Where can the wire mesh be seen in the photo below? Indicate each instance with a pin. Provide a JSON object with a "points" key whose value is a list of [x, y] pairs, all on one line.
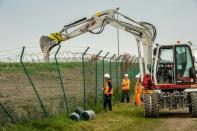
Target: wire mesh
{"points": [[82, 81]]}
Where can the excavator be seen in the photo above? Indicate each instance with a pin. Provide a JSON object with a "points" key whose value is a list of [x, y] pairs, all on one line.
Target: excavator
{"points": [[167, 72]]}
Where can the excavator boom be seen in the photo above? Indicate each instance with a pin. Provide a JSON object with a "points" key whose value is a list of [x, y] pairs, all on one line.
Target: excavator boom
{"points": [[143, 32]]}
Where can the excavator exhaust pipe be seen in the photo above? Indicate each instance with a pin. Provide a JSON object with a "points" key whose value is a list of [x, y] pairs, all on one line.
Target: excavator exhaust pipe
{"points": [[46, 46]]}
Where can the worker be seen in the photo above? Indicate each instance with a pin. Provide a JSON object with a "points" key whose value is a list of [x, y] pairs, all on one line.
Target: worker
{"points": [[138, 91], [125, 84], [168, 73], [108, 91]]}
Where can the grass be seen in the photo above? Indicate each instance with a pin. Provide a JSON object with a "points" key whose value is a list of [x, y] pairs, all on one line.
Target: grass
{"points": [[123, 117]]}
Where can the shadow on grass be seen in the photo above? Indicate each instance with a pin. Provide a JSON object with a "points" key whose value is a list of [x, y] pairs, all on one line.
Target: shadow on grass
{"points": [[175, 114]]}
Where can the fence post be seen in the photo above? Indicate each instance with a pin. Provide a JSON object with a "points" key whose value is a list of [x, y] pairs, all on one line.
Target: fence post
{"points": [[131, 66], [104, 67], [30, 80], [138, 69], [122, 63], [96, 79], [9, 115], [134, 66], [84, 79], [60, 77], [137, 66], [117, 83], [110, 64]]}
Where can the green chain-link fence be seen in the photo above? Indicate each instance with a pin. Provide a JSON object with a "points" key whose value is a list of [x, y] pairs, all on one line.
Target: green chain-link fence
{"points": [[32, 89]]}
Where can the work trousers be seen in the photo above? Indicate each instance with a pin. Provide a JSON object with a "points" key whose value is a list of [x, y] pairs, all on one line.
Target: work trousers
{"points": [[107, 101], [125, 93], [138, 99]]}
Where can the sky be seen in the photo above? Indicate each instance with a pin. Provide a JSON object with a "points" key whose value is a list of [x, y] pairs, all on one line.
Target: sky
{"points": [[22, 22]]}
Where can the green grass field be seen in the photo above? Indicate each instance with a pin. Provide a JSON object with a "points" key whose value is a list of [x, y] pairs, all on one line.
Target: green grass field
{"points": [[123, 117], [37, 67]]}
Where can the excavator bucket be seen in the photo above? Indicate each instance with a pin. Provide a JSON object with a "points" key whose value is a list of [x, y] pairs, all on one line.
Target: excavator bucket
{"points": [[46, 44]]}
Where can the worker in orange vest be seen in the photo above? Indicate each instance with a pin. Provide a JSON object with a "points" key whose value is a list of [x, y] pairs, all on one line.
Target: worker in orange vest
{"points": [[108, 91], [138, 91], [125, 88]]}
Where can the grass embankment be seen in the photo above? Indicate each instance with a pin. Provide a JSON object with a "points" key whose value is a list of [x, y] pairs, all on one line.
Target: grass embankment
{"points": [[37, 67], [124, 117]]}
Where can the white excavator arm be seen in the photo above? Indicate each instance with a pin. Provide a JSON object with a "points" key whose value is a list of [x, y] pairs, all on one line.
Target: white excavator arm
{"points": [[144, 33]]}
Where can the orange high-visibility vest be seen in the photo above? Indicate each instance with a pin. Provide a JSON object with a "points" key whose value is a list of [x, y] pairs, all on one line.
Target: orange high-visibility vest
{"points": [[106, 89], [125, 84], [138, 87]]}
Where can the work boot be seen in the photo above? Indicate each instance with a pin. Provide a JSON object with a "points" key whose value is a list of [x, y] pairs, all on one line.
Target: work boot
{"points": [[122, 100], [136, 104], [128, 100]]}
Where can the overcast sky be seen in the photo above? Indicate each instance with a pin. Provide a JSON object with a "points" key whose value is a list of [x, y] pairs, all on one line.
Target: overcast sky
{"points": [[22, 22]]}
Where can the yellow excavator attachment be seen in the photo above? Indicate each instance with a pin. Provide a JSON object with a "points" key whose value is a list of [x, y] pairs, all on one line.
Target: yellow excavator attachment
{"points": [[48, 42]]}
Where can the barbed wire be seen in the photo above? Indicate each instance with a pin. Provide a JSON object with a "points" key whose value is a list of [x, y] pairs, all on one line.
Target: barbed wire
{"points": [[71, 54]]}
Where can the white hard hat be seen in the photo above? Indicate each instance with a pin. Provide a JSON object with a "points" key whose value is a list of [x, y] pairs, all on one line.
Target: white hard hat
{"points": [[106, 75], [126, 75], [138, 75]]}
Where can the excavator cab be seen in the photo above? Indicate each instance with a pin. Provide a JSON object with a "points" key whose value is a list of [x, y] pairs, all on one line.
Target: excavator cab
{"points": [[174, 65]]}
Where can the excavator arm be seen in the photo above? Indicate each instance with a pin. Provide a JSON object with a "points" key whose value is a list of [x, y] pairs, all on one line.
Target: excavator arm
{"points": [[75, 29], [144, 33]]}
